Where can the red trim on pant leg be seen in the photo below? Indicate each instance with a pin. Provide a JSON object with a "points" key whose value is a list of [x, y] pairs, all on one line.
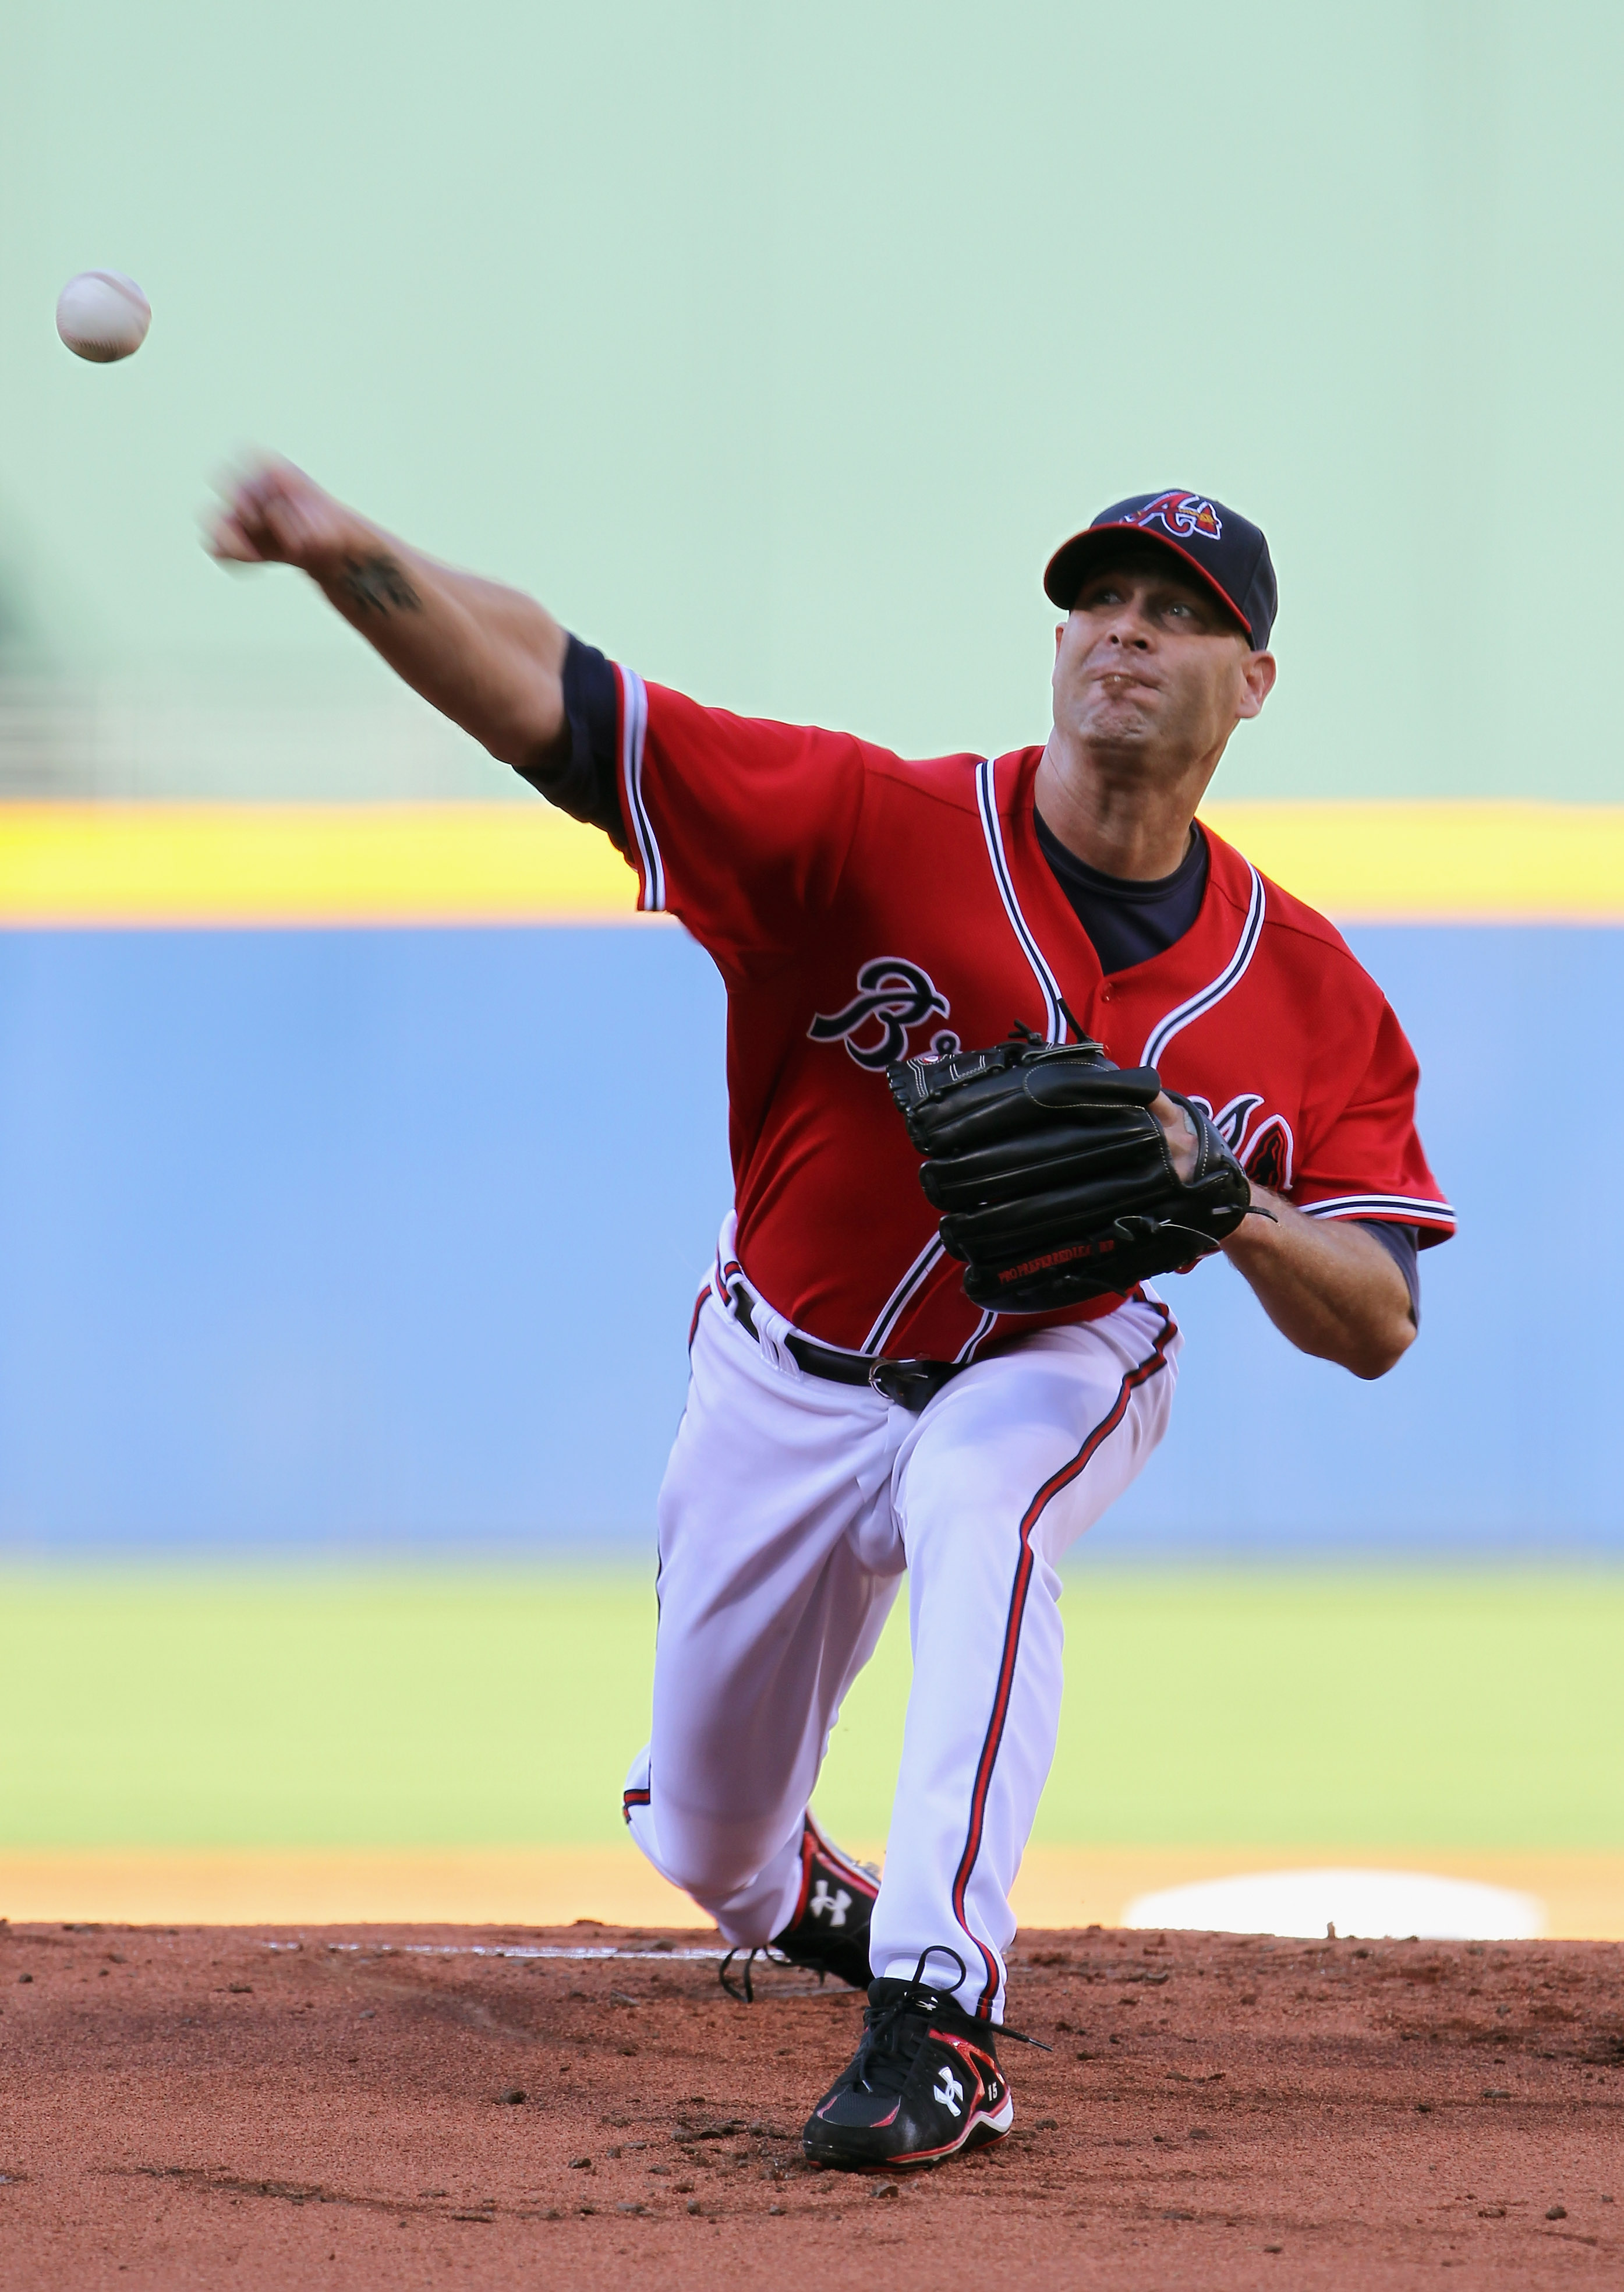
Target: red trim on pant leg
{"points": [[808, 1841], [1052, 1487], [631, 1798], [699, 1306]]}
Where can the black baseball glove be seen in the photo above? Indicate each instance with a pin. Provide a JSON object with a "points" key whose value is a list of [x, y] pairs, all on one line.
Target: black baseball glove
{"points": [[1053, 1175]]}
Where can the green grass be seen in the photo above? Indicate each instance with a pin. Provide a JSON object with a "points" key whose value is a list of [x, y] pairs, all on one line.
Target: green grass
{"points": [[1462, 1707], [409, 1707]]}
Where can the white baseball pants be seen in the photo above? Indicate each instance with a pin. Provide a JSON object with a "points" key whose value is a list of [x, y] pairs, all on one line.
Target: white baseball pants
{"points": [[790, 1509]]}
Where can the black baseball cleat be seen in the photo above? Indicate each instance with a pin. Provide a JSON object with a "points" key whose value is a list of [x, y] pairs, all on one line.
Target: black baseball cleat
{"points": [[828, 1932], [924, 2084]]}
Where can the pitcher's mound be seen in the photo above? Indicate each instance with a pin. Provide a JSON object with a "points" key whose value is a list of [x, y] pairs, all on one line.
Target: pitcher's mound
{"points": [[584, 2107]]}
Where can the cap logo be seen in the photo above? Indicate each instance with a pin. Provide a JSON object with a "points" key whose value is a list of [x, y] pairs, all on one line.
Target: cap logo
{"points": [[1181, 515]]}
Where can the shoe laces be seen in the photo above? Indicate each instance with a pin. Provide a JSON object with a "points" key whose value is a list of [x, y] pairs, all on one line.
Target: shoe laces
{"points": [[744, 1988], [889, 2047]]}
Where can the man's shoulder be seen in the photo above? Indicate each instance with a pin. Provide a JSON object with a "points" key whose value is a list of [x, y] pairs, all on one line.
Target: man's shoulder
{"points": [[678, 715], [1308, 936], [948, 780]]}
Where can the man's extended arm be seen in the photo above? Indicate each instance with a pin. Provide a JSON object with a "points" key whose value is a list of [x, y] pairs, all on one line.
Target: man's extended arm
{"points": [[489, 657]]}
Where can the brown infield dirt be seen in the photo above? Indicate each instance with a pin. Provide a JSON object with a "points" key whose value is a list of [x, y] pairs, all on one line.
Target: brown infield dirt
{"points": [[430, 2106]]}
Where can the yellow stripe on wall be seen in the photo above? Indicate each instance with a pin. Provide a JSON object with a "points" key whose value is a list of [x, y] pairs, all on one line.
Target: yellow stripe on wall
{"points": [[1454, 863], [248, 865], [306, 864]]}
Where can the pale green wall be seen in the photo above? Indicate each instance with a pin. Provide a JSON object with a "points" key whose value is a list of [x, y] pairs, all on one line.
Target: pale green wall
{"points": [[775, 346]]}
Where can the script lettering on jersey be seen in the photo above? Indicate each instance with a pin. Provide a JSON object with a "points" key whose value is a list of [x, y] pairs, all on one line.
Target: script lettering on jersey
{"points": [[893, 996], [1180, 513], [1265, 1154]]}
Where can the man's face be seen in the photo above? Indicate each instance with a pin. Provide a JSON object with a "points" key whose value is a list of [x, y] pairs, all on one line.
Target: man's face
{"points": [[1149, 661]]}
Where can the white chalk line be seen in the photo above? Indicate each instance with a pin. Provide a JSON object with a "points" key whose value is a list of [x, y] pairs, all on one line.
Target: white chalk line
{"points": [[488, 1949]]}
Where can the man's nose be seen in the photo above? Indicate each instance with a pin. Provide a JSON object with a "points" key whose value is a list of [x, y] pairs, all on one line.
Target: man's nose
{"points": [[1129, 629]]}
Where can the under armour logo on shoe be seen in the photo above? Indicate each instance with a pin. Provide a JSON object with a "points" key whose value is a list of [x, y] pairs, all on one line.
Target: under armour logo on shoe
{"points": [[826, 1905], [947, 2090]]}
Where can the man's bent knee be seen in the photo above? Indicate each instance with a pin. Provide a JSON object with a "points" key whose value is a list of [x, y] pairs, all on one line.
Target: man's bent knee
{"points": [[713, 1860]]}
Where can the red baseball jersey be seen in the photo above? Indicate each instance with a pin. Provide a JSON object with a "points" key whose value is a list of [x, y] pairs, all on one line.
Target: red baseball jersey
{"points": [[862, 909]]}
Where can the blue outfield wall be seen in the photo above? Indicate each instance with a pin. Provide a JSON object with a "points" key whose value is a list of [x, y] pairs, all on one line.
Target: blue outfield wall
{"points": [[373, 1239]]}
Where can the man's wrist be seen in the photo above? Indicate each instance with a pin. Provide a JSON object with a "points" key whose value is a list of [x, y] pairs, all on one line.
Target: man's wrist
{"points": [[366, 577], [1255, 1235]]}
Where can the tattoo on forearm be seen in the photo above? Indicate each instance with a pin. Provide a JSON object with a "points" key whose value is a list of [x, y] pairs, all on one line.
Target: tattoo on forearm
{"points": [[379, 584]]}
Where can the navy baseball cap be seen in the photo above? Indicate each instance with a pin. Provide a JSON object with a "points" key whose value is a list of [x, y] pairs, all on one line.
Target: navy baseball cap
{"points": [[1230, 553]]}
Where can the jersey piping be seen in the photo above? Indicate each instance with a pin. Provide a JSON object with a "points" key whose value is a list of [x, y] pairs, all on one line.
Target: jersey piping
{"points": [[1410, 1207], [912, 1281], [967, 1351], [991, 828], [633, 729], [729, 1272], [1208, 997], [1054, 1021]]}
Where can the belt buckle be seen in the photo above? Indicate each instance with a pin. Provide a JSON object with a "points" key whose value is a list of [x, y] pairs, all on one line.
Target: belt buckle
{"points": [[911, 1385]]}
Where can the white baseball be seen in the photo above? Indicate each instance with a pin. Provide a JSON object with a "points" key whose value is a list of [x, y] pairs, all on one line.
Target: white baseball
{"points": [[102, 315]]}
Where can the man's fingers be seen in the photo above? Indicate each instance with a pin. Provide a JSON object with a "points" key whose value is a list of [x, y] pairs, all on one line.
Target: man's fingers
{"points": [[272, 512], [237, 531], [286, 524], [1179, 1132], [227, 538], [247, 532]]}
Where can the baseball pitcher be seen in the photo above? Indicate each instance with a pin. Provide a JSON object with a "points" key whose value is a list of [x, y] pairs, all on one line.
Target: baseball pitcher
{"points": [[1008, 1037]]}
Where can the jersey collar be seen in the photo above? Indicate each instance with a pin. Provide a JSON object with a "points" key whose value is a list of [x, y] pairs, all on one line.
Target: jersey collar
{"points": [[1180, 984]]}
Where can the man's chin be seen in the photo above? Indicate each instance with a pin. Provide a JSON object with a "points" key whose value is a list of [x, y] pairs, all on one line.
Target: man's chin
{"points": [[1118, 724]]}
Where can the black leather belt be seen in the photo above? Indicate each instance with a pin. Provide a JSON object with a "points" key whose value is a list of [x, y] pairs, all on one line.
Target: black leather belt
{"points": [[911, 1385]]}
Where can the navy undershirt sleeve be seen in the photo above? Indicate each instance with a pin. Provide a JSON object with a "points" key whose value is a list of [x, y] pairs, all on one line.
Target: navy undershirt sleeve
{"points": [[1128, 921], [1402, 1245], [582, 777]]}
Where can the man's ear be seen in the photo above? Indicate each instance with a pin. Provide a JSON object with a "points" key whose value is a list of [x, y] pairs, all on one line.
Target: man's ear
{"points": [[1258, 679], [1059, 638]]}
